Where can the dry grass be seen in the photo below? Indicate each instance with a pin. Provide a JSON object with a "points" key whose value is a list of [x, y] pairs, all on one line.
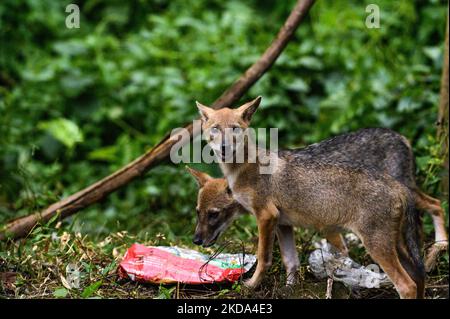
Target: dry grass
{"points": [[36, 268]]}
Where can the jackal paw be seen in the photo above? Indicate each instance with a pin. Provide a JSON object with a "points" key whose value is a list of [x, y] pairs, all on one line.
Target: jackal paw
{"points": [[433, 254], [441, 245], [292, 276], [251, 283]]}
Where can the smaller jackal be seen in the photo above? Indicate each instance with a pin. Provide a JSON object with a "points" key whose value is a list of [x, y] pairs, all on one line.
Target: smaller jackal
{"points": [[314, 193]]}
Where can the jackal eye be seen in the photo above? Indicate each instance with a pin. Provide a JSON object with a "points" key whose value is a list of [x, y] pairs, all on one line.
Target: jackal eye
{"points": [[214, 130], [213, 214], [237, 129]]}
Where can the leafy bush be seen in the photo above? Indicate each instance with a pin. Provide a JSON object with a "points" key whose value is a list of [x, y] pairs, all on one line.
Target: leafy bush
{"points": [[77, 104]]}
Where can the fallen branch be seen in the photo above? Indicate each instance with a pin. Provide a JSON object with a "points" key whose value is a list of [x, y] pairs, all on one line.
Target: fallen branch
{"points": [[99, 190]]}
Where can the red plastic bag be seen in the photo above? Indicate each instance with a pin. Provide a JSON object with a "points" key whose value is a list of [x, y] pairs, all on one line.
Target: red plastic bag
{"points": [[173, 264]]}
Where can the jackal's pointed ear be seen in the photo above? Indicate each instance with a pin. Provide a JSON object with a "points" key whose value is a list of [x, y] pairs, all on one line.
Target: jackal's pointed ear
{"points": [[200, 177], [204, 111], [248, 109]]}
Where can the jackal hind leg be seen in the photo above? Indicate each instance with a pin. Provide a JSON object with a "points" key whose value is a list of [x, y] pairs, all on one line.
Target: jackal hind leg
{"points": [[384, 253], [414, 271]]}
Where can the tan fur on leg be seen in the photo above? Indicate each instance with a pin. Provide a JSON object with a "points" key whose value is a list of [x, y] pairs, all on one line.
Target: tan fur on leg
{"points": [[267, 219], [433, 207], [336, 239], [389, 262]]}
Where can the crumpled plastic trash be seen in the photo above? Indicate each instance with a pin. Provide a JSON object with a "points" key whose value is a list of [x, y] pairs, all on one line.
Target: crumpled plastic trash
{"points": [[162, 264], [327, 262]]}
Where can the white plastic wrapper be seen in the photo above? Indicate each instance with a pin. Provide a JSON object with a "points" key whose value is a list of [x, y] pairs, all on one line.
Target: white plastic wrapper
{"points": [[327, 262]]}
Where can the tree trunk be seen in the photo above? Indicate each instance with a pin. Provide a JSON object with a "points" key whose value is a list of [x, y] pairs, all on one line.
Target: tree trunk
{"points": [[442, 130], [99, 190]]}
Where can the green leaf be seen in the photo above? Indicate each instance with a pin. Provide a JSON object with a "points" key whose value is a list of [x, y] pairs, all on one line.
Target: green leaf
{"points": [[423, 161], [298, 85], [53, 219], [407, 104], [64, 130], [165, 293], [433, 53], [60, 293], [311, 62], [90, 290], [107, 153], [108, 268]]}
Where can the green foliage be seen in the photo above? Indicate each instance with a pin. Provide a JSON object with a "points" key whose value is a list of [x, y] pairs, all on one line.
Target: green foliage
{"points": [[65, 131], [60, 293], [165, 293], [77, 104], [91, 289]]}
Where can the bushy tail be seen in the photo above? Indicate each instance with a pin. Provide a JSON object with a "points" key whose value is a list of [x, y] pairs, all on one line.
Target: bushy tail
{"points": [[412, 259]]}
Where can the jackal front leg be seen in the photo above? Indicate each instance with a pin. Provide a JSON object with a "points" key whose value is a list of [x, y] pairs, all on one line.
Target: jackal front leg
{"points": [[286, 240], [267, 219]]}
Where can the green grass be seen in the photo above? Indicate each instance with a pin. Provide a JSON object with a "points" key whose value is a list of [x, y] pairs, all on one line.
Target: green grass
{"points": [[35, 267]]}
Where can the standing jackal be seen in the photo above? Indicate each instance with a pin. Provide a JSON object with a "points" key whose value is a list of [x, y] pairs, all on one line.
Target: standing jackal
{"points": [[323, 195]]}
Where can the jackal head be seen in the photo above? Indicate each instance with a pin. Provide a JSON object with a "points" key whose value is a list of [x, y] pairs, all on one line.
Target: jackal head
{"points": [[216, 208], [225, 128]]}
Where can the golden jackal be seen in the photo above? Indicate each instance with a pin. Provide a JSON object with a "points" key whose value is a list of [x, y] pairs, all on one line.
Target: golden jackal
{"points": [[326, 196]]}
